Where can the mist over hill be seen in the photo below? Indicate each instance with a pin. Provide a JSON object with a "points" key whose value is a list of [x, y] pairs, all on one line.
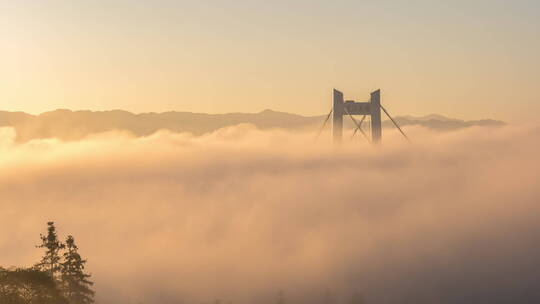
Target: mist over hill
{"points": [[75, 125]]}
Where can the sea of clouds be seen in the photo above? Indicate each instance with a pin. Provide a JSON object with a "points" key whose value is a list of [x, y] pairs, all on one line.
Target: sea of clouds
{"points": [[241, 214]]}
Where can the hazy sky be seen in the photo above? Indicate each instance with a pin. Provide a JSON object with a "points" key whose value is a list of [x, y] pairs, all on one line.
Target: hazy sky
{"points": [[469, 59]]}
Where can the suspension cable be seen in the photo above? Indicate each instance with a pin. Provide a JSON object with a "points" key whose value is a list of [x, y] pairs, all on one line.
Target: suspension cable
{"points": [[324, 125], [358, 126], [395, 124], [356, 129]]}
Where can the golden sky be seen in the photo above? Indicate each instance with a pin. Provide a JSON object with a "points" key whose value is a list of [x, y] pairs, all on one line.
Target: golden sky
{"points": [[467, 59]]}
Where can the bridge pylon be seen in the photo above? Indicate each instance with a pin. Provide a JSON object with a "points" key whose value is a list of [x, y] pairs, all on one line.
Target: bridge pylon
{"points": [[343, 107]]}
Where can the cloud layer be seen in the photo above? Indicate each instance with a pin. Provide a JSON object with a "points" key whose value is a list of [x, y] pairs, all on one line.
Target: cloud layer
{"points": [[240, 214]]}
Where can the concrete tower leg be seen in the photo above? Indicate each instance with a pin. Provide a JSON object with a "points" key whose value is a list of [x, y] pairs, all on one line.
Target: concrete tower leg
{"points": [[376, 127], [337, 118]]}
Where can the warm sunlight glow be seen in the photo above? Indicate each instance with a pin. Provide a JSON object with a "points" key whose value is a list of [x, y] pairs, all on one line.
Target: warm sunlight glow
{"points": [[465, 59], [269, 152]]}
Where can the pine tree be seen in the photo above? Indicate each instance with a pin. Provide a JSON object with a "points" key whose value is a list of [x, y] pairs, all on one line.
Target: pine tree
{"points": [[75, 282], [50, 262]]}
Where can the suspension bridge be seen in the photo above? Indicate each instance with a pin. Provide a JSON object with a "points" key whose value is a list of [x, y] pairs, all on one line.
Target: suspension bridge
{"points": [[349, 108]]}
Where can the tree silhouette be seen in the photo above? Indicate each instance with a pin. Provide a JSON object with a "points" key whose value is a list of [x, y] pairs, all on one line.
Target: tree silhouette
{"points": [[29, 286], [75, 282], [50, 262]]}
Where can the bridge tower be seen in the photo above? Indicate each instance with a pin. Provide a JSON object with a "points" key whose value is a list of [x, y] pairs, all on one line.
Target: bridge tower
{"points": [[370, 108]]}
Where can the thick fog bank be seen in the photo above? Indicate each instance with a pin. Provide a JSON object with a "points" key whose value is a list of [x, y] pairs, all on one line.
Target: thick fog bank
{"points": [[241, 214]]}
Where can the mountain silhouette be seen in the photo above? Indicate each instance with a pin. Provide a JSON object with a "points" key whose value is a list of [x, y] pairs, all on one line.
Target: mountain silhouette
{"points": [[73, 125]]}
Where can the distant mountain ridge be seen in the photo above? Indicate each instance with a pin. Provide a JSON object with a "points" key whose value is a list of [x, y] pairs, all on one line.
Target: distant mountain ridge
{"points": [[74, 125]]}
